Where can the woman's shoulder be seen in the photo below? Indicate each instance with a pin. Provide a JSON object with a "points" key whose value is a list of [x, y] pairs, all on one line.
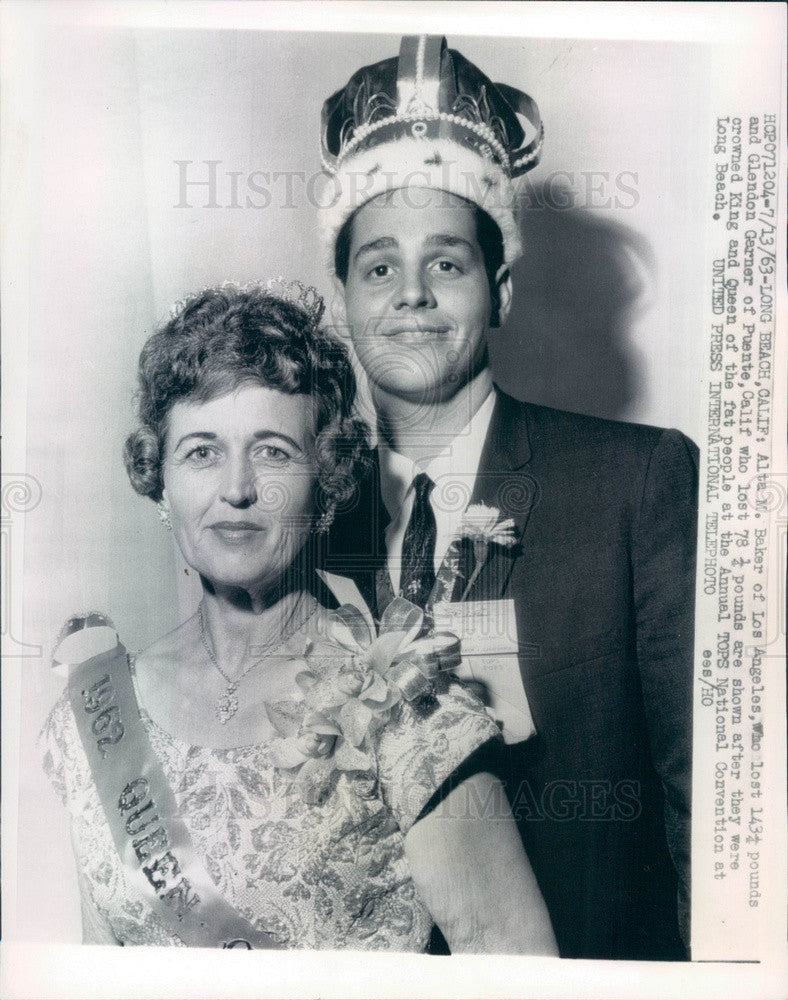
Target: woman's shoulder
{"points": [[59, 721], [156, 664], [59, 749], [83, 637], [165, 651]]}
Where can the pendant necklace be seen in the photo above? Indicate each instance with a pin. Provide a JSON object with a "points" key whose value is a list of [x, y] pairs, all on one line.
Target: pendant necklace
{"points": [[227, 704]]}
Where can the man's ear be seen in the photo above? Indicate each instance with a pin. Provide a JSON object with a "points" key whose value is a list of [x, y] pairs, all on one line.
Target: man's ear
{"points": [[337, 308], [502, 299]]}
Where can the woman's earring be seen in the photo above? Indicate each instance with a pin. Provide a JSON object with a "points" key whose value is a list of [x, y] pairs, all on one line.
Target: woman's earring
{"points": [[164, 514]]}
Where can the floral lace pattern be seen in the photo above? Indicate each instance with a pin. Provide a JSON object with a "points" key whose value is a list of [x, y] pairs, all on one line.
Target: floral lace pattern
{"points": [[328, 875]]}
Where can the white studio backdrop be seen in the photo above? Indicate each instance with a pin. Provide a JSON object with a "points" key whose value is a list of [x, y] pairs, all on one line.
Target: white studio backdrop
{"points": [[162, 162]]}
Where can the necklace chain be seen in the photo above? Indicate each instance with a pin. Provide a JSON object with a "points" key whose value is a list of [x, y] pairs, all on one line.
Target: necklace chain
{"points": [[227, 705]]}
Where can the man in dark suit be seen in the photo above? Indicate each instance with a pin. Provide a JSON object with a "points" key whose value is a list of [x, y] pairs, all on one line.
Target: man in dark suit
{"points": [[602, 577]]}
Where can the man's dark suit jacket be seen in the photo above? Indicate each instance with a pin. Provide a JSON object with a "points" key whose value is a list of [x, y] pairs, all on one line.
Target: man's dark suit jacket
{"points": [[603, 584]]}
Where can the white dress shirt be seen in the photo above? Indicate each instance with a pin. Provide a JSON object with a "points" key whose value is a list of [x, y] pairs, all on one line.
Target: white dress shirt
{"points": [[454, 473]]}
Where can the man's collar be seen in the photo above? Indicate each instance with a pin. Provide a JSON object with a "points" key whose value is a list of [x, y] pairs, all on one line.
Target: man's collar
{"points": [[396, 474], [461, 457]]}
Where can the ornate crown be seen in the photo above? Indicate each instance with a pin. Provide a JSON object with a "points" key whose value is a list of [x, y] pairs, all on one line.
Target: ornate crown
{"points": [[428, 118], [431, 92]]}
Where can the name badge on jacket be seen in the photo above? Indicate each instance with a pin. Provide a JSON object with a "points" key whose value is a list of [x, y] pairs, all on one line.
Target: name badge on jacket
{"points": [[488, 630]]}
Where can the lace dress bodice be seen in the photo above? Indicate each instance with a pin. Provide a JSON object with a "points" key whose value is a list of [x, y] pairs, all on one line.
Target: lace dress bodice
{"points": [[331, 875]]}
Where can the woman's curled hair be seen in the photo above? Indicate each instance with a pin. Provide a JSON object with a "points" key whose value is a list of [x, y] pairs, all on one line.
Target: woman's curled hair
{"points": [[229, 336]]}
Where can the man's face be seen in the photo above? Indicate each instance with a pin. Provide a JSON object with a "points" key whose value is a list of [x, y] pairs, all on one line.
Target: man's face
{"points": [[417, 298]]}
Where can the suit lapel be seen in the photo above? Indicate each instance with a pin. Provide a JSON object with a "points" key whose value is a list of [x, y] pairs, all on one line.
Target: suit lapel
{"points": [[503, 482]]}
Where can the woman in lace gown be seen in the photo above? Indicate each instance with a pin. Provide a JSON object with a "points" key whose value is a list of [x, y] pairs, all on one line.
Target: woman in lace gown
{"points": [[323, 801]]}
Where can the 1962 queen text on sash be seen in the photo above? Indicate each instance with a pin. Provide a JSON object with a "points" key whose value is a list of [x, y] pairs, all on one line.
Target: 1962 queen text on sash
{"points": [[152, 841]]}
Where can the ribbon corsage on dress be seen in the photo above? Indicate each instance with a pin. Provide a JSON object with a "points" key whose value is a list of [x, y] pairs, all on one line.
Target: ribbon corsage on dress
{"points": [[332, 725]]}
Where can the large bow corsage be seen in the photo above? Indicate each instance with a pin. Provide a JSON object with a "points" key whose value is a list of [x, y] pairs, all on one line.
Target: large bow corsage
{"points": [[330, 726]]}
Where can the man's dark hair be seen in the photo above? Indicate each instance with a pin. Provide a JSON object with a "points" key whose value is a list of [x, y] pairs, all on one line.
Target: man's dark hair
{"points": [[487, 233]]}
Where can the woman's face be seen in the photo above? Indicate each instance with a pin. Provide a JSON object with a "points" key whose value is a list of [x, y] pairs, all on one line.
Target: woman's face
{"points": [[239, 477]]}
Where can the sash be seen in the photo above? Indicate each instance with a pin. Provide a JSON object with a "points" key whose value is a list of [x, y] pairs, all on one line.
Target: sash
{"points": [[151, 839]]}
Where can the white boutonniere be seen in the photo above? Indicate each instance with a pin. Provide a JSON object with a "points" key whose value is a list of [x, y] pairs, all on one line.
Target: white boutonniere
{"points": [[484, 526]]}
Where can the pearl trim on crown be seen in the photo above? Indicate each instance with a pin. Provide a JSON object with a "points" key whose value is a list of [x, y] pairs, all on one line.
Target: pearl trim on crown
{"points": [[479, 128]]}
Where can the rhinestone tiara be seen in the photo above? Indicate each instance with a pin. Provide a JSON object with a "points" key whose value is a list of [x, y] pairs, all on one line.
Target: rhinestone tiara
{"points": [[291, 290]]}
